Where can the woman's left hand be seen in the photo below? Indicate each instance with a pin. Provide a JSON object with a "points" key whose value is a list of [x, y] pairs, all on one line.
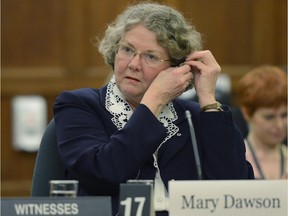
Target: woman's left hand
{"points": [[206, 71]]}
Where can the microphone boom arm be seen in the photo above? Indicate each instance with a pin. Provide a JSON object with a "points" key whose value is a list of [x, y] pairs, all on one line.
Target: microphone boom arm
{"points": [[194, 144]]}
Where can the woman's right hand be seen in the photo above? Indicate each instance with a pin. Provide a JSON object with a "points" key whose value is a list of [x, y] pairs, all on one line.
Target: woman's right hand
{"points": [[169, 84]]}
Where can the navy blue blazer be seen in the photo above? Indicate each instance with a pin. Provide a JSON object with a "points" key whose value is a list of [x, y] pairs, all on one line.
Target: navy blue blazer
{"points": [[101, 157]]}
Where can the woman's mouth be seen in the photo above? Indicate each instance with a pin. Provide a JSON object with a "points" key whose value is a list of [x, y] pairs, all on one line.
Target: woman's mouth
{"points": [[133, 79]]}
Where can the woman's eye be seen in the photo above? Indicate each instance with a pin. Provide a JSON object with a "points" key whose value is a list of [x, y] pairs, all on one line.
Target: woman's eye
{"points": [[150, 57], [269, 117], [284, 115], [127, 49]]}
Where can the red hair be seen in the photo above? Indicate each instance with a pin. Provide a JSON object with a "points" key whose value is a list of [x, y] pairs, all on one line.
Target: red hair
{"points": [[264, 86]]}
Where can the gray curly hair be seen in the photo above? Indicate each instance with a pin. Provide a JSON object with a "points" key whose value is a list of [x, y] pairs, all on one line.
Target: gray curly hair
{"points": [[173, 31]]}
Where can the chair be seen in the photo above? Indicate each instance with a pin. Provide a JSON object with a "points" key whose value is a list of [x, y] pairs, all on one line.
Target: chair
{"points": [[48, 165]]}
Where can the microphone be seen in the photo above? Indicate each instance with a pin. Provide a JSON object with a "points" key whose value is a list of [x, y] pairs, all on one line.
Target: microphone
{"points": [[194, 144]]}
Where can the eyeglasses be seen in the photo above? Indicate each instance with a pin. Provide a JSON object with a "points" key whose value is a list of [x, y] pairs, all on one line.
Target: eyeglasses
{"points": [[129, 53]]}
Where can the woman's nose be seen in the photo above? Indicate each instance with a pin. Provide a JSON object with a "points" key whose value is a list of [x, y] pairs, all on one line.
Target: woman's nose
{"points": [[135, 63]]}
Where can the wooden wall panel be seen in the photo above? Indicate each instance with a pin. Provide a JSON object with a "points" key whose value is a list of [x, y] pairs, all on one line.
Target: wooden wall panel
{"points": [[30, 32], [46, 49], [269, 38], [242, 32], [56, 33]]}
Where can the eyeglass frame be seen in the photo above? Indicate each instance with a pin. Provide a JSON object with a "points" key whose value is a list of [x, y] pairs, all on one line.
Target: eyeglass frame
{"points": [[135, 52]]}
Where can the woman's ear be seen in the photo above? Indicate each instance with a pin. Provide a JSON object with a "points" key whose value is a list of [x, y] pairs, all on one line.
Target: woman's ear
{"points": [[245, 113]]}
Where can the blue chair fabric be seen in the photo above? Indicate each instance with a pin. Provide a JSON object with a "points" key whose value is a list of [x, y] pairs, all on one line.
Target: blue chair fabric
{"points": [[48, 165]]}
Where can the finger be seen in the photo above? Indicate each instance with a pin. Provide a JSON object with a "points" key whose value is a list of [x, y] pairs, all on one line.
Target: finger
{"points": [[188, 76], [190, 84], [185, 67], [196, 66], [205, 56]]}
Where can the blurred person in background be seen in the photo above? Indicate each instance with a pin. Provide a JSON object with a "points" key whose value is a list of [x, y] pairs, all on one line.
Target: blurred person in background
{"points": [[262, 97]]}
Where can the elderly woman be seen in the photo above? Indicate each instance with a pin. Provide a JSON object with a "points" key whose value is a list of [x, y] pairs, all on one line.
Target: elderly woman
{"points": [[135, 127], [262, 96]]}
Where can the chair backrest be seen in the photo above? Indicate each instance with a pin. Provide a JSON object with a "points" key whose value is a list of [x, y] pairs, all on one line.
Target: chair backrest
{"points": [[48, 165]]}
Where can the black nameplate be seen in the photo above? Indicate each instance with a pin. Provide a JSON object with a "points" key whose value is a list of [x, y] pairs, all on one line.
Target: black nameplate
{"points": [[136, 199], [80, 206]]}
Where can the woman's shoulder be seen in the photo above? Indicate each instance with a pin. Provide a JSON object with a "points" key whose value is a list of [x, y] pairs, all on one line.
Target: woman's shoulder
{"points": [[85, 93], [87, 96]]}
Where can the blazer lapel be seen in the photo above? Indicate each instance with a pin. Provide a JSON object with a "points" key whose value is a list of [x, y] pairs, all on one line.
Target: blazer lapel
{"points": [[175, 143]]}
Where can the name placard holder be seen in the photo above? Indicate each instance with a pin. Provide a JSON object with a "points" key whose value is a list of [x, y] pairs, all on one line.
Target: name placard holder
{"points": [[136, 198], [48, 206], [228, 197]]}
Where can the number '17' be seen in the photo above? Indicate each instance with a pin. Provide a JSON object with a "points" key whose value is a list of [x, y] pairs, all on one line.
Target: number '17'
{"points": [[128, 205]]}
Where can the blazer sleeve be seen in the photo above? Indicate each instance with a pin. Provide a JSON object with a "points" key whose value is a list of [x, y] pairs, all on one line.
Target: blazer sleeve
{"points": [[223, 147]]}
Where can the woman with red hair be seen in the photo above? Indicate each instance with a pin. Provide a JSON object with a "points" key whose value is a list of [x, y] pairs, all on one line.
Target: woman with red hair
{"points": [[262, 96]]}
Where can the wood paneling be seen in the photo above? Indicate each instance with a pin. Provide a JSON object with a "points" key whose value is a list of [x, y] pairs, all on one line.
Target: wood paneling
{"points": [[31, 32], [50, 80], [46, 49]]}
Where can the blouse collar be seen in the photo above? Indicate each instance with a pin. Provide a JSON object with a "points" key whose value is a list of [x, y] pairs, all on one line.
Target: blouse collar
{"points": [[122, 111]]}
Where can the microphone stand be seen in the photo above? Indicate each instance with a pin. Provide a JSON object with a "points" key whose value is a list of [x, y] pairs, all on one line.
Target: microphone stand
{"points": [[194, 144]]}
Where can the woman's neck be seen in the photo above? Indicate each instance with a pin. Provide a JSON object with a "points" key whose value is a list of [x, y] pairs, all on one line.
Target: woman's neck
{"points": [[267, 158], [261, 145], [132, 104]]}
